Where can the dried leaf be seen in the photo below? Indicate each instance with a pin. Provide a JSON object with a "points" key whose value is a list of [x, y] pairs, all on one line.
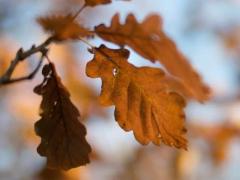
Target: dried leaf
{"points": [[142, 102], [63, 27], [96, 2], [149, 40], [63, 136]]}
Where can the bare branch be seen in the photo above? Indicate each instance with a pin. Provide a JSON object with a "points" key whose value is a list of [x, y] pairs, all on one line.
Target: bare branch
{"points": [[20, 56], [28, 77]]}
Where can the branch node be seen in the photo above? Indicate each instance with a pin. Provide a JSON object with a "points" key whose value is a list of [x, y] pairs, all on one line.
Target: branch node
{"points": [[19, 54], [33, 47], [44, 51]]}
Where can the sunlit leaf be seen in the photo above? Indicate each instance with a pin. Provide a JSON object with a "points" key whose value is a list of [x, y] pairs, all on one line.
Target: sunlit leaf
{"points": [[149, 40], [142, 103], [63, 27]]}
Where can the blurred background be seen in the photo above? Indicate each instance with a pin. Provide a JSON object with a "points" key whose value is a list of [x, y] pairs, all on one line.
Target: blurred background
{"points": [[207, 32]]}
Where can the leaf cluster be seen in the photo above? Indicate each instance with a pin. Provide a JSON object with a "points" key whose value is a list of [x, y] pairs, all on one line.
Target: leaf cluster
{"points": [[148, 100]]}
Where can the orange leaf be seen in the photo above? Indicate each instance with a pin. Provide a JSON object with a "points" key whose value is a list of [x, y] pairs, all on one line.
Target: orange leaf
{"points": [[62, 135], [63, 27], [149, 40], [142, 103]]}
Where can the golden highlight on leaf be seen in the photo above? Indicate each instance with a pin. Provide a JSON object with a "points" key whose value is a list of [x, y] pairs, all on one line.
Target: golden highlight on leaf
{"points": [[149, 40], [142, 102], [62, 135], [63, 27]]}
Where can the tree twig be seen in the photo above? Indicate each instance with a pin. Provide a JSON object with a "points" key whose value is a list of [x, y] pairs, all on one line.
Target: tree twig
{"points": [[20, 56], [28, 77]]}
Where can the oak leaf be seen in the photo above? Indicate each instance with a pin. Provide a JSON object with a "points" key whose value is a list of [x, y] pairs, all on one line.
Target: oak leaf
{"points": [[149, 40], [62, 135], [142, 103], [63, 27]]}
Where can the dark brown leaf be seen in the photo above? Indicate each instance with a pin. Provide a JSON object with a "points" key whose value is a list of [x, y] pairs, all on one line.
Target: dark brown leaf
{"points": [[62, 135]]}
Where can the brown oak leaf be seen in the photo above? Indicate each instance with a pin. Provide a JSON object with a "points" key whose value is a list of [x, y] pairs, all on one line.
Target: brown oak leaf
{"points": [[62, 135], [149, 40], [142, 103], [63, 27]]}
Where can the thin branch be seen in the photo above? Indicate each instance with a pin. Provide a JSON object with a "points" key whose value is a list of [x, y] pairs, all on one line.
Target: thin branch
{"points": [[20, 56], [28, 77]]}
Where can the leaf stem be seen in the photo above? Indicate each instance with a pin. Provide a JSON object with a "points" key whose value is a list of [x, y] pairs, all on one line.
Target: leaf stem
{"points": [[48, 59], [86, 42], [79, 11], [96, 49]]}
